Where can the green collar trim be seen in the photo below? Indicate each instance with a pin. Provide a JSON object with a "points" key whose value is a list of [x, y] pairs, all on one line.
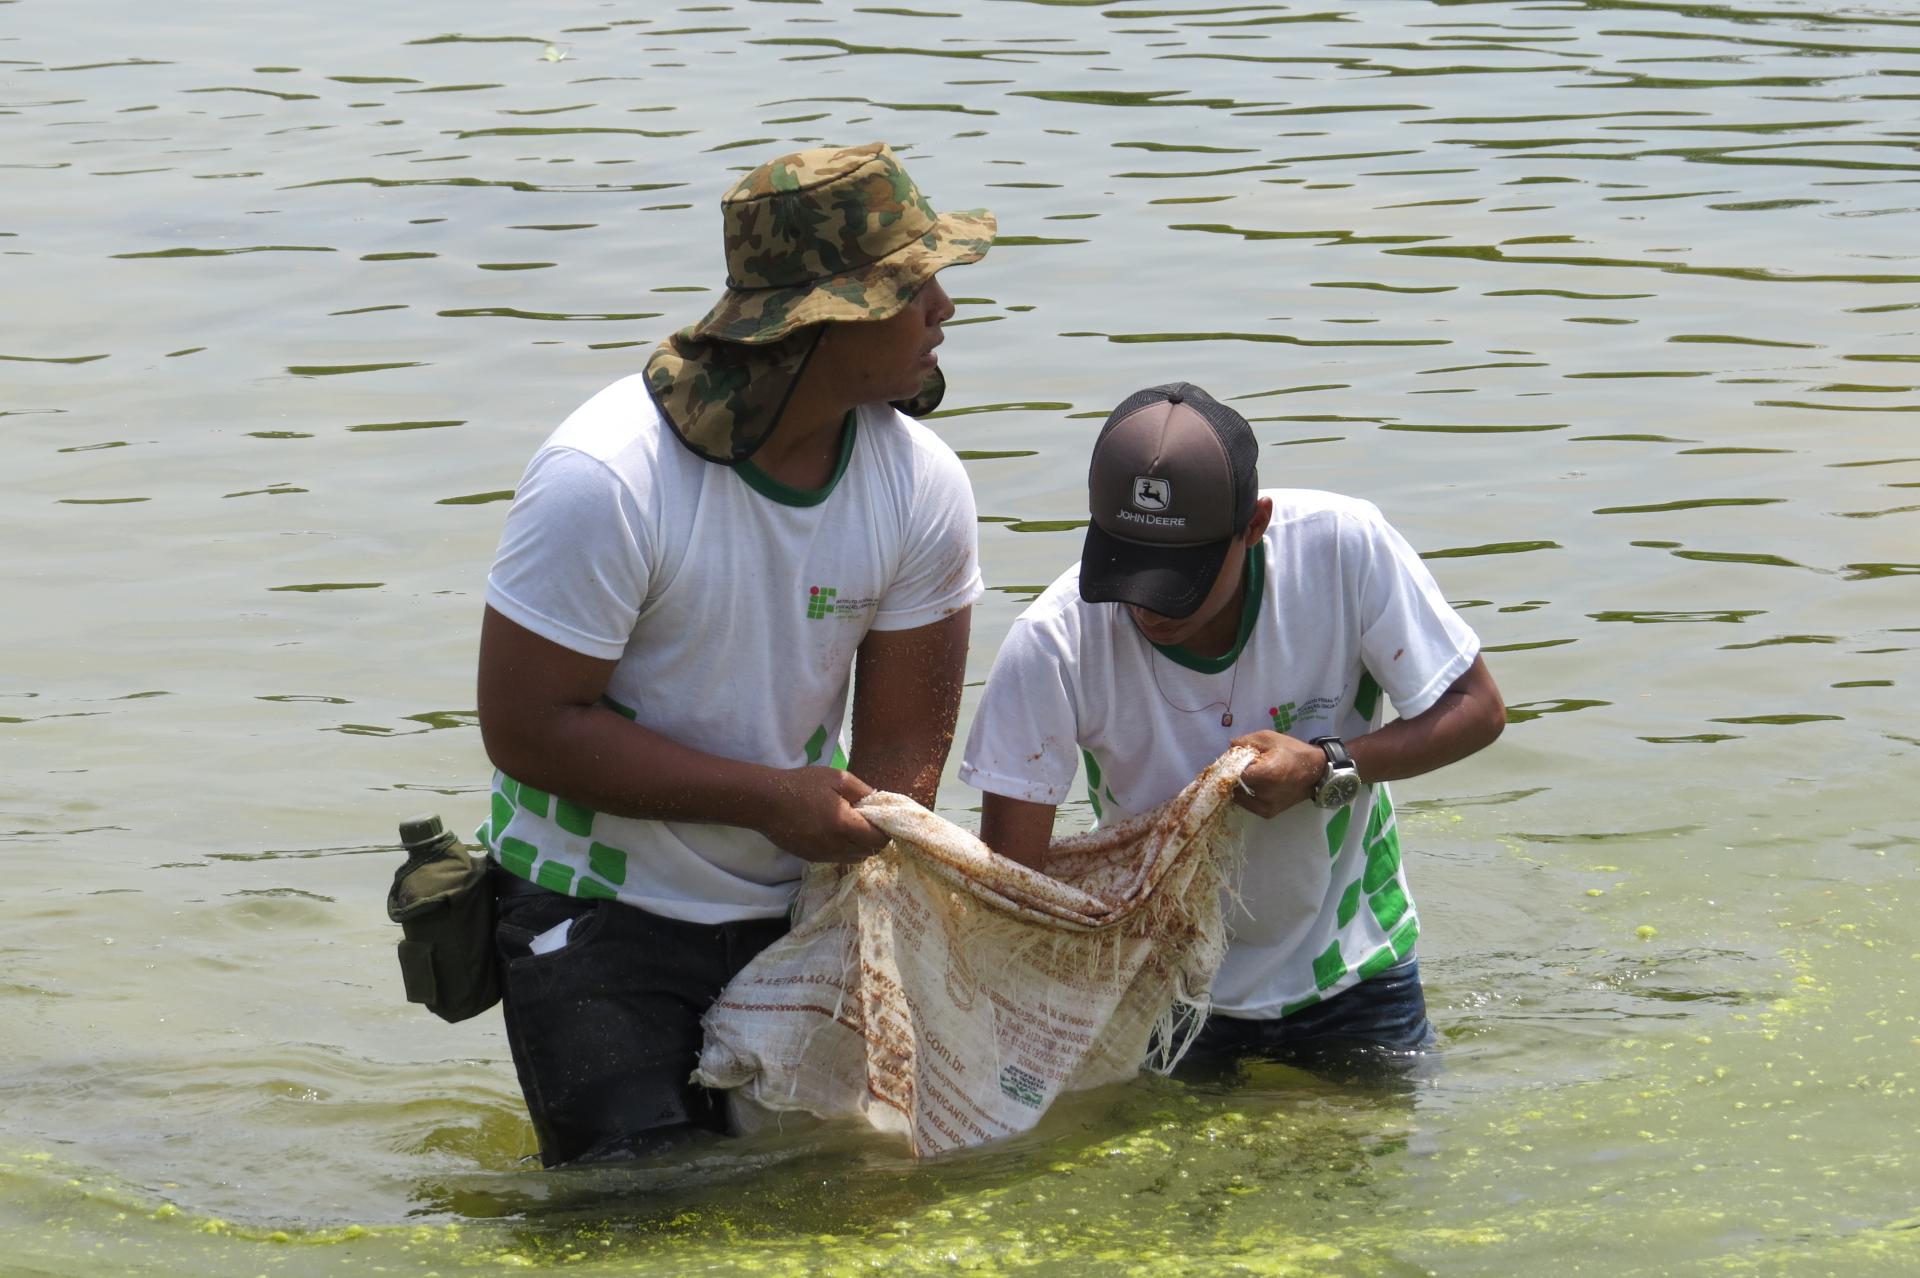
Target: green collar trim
{"points": [[787, 495], [1255, 579]]}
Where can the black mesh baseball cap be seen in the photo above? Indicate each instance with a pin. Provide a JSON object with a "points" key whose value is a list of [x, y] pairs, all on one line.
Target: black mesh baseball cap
{"points": [[1173, 480]]}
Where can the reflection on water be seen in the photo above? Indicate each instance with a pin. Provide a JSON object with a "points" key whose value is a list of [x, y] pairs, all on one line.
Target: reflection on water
{"points": [[298, 297]]}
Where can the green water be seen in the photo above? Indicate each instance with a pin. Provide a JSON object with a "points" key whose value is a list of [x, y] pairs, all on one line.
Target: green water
{"points": [[1614, 307]]}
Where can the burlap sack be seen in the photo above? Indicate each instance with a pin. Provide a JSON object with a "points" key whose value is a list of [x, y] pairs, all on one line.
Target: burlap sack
{"points": [[948, 994]]}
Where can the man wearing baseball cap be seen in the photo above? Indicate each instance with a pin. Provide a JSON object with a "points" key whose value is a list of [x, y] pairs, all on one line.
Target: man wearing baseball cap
{"points": [[694, 564], [1206, 613]]}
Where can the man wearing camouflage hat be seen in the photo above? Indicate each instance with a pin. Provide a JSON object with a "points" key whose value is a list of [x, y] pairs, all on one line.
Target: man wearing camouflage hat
{"points": [[1206, 613], [694, 565]]}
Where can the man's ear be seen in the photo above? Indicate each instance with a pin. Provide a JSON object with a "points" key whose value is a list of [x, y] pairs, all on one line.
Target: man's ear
{"points": [[1257, 526]]}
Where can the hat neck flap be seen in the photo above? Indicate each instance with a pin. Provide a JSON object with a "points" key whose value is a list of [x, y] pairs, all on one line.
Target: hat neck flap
{"points": [[723, 399]]}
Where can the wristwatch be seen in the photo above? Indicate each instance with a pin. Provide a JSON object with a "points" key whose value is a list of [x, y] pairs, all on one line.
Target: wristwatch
{"points": [[1341, 785]]}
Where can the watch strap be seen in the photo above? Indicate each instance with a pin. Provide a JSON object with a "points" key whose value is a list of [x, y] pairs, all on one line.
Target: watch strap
{"points": [[1336, 751]]}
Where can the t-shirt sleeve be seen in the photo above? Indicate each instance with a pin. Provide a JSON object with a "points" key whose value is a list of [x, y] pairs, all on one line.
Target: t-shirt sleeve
{"points": [[573, 564], [1412, 642], [1024, 739], [940, 571]]}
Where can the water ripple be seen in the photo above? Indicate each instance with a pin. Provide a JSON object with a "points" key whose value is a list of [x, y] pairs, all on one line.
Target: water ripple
{"points": [[1688, 225]]}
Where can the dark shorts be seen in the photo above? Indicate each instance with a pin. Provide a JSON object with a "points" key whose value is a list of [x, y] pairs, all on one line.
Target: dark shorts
{"points": [[1377, 1029], [606, 1029]]}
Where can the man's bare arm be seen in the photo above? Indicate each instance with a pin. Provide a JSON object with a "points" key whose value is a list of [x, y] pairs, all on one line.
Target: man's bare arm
{"points": [[1017, 829], [906, 696], [543, 723], [1468, 717]]}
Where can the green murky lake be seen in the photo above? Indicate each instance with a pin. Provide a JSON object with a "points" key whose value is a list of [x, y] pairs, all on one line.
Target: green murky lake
{"points": [[1613, 306]]}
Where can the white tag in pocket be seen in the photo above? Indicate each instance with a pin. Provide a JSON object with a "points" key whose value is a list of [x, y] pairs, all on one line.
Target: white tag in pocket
{"points": [[554, 938]]}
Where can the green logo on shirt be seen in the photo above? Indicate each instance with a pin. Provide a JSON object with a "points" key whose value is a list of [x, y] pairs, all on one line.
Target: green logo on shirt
{"points": [[1288, 713], [826, 603]]}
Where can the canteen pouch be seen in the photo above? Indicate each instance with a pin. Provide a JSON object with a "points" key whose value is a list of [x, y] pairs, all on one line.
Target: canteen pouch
{"points": [[444, 905]]}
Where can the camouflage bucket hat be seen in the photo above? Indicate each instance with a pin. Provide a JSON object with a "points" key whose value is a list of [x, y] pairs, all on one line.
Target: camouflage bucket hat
{"points": [[832, 234]]}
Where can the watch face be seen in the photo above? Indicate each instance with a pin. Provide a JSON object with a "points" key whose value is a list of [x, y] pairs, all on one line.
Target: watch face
{"points": [[1338, 790]]}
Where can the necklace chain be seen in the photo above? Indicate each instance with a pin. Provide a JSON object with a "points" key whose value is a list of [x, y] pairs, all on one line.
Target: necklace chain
{"points": [[1226, 718]]}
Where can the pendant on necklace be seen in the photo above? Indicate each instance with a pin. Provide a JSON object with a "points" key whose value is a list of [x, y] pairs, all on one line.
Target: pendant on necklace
{"points": [[1226, 720]]}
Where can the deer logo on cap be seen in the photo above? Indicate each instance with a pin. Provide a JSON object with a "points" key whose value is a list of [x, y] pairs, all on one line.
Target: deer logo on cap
{"points": [[1150, 493]]}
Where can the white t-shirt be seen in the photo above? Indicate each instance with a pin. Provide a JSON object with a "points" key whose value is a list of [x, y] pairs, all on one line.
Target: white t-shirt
{"points": [[734, 607], [1344, 609]]}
